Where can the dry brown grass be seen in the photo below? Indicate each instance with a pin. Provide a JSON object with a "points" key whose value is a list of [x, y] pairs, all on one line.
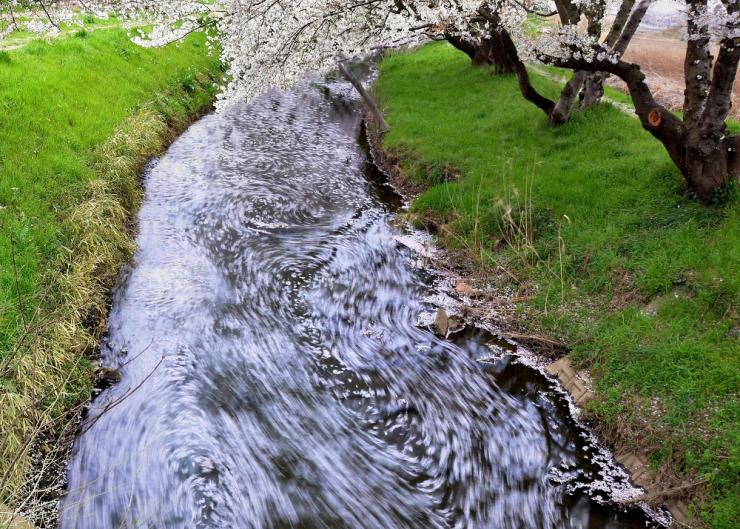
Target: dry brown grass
{"points": [[37, 411], [57, 342], [661, 58]]}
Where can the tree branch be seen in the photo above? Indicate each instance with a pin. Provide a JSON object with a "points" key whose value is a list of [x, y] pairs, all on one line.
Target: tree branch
{"points": [[630, 28], [698, 63], [529, 92], [719, 99], [532, 11], [464, 45], [619, 22], [366, 97], [48, 15]]}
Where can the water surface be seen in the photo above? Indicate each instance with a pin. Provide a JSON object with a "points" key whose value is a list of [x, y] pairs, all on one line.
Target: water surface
{"points": [[273, 373]]}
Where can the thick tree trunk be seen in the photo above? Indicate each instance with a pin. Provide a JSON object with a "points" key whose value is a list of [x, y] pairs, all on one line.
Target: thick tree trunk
{"points": [[560, 114], [593, 89], [468, 47], [502, 59], [711, 156], [711, 161], [707, 165], [483, 53]]}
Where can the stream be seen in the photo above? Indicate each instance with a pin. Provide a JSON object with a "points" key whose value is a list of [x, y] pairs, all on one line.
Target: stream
{"points": [[275, 376]]}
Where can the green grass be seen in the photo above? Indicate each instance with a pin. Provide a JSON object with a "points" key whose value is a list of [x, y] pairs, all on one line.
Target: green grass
{"points": [[57, 103], [78, 118], [619, 261], [80, 24]]}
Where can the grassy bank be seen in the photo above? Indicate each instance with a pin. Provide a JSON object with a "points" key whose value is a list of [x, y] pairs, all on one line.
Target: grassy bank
{"points": [[20, 35], [78, 119], [593, 227]]}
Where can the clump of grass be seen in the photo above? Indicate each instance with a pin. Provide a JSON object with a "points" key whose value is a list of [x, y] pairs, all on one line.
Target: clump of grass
{"points": [[602, 228], [100, 242], [189, 84], [516, 221], [69, 189]]}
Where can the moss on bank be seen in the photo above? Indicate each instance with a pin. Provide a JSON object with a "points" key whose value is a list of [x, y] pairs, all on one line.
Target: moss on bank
{"points": [[78, 120], [595, 229]]}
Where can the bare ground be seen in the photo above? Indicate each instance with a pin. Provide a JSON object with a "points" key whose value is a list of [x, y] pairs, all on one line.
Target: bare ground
{"points": [[661, 57]]}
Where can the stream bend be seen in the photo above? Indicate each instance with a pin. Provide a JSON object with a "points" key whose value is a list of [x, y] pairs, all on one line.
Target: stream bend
{"points": [[274, 376]]}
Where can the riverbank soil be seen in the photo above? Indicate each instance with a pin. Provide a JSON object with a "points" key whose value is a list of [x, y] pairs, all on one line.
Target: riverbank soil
{"points": [[79, 117], [591, 231]]}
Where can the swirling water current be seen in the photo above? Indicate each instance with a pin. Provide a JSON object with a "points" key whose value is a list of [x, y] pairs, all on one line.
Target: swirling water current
{"points": [[273, 372]]}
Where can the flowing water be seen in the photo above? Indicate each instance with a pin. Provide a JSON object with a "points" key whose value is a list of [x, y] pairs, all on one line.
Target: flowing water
{"points": [[273, 372]]}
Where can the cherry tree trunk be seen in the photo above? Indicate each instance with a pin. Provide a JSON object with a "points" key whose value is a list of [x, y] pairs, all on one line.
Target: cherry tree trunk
{"points": [[593, 89], [560, 114], [483, 53], [710, 164], [467, 46], [501, 57]]}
